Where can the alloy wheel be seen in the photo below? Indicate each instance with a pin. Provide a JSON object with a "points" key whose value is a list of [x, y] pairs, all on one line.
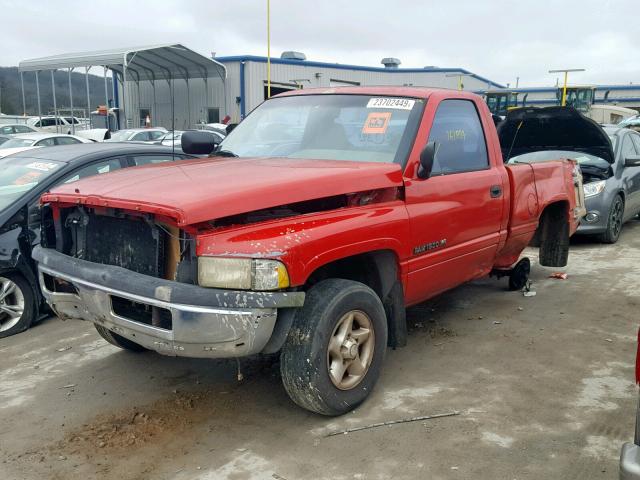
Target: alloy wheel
{"points": [[350, 350], [616, 217], [11, 304]]}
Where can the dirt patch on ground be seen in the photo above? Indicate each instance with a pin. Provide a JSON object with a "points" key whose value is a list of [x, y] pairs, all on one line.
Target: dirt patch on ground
{"points": [[136, 426]]}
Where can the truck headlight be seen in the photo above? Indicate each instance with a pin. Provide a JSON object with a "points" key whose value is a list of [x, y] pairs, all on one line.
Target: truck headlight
{"points": [[593, 188], [242, 273]]}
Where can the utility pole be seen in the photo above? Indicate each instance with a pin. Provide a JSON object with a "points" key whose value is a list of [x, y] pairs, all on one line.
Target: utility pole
{"points": [[566, 74]]}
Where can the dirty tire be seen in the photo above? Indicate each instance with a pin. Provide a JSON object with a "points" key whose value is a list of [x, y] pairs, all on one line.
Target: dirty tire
{"points": [[554, 239], [119, 341], [29, 311], [614, 223], [304, 360]]}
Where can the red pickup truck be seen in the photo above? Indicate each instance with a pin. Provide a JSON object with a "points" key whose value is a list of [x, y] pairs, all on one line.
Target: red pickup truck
{"points": [[315, 223]]}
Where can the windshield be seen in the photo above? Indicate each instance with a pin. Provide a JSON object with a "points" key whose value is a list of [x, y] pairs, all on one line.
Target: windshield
{"points": [[634, 120], [327, 127], [18, 142], [579, 98], [121, 135], [500, 103], [545, 156], [20, 175]]}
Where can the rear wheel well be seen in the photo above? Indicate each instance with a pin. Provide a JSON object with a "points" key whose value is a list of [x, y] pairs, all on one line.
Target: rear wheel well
{"points": [[379, 270]]}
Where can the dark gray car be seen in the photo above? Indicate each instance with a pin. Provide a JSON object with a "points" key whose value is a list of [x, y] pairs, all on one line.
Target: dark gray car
{"points": [[24, 177], [612, 195], [609, 159]]}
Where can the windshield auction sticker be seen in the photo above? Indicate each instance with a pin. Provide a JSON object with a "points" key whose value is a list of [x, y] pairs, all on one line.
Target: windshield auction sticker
{"points": [[376, 123], [42, 166], [388, 102]]}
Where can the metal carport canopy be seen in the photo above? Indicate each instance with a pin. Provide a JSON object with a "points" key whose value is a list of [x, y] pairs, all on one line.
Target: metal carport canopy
{"points": [[152, 62]]}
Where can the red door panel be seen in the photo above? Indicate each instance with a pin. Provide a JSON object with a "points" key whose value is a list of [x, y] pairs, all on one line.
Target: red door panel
{"points": [[458, 213]]}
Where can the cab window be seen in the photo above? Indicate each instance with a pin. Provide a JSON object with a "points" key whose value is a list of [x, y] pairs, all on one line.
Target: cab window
{"points": [[47, 142], [66, 141], [142, 136], [154, 135], [627, 148], [636, 140], [151, 159], [98, 168], [460, 142]]}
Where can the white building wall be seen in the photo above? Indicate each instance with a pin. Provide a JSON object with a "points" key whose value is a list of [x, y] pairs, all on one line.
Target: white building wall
{"points": [[313, 76]]}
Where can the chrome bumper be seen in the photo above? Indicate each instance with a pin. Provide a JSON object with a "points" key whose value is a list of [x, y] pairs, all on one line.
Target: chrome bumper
{"points": [[234, 324], [630, 462]]}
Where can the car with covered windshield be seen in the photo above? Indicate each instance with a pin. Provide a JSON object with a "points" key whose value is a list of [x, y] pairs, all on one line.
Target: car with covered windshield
{"points": [[23, 178]]}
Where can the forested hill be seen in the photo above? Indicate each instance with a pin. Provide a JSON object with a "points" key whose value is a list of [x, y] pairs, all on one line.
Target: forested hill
{"points": [[11, 101]]}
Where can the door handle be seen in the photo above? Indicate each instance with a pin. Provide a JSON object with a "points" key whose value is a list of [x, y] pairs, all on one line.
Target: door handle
{"points": [[496, 191]]}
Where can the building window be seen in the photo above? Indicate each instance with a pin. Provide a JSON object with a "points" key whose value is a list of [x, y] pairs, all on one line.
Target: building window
{"points": [[213, 115], [333, 82], [144, 113]]}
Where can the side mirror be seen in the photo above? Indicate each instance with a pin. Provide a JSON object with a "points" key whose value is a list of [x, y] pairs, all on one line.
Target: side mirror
{"points": [[197, 143], [427, 156], [632, 161]]}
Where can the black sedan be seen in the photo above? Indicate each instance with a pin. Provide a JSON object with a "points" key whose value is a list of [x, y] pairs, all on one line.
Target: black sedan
{"points": [[24, 177]]}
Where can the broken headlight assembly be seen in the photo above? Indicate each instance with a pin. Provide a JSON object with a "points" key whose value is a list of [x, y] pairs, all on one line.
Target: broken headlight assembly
{"points": [[242, 273], [593, 188]]}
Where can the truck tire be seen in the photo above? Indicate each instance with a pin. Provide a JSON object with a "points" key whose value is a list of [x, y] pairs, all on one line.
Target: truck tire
{"points": [[334, 351], [614, 223], [554, 238], [17, 304], [119, 341]]}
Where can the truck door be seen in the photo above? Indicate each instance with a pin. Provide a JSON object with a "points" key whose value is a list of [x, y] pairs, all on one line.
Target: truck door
{"points": [[456, 213]]}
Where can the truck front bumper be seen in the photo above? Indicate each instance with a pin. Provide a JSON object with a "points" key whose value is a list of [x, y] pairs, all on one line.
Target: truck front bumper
{"points": [[169, 317], [630, 462]]}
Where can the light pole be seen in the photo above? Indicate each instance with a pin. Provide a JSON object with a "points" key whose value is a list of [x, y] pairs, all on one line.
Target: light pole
{"points": [[459, 75], [268, 49], [564, 88]]}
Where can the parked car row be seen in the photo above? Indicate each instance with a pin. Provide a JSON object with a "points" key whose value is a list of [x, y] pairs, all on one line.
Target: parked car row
{"points": [[27, 141]]}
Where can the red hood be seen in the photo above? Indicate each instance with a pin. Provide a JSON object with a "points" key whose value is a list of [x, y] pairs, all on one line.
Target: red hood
{"points": [[196, 191]]}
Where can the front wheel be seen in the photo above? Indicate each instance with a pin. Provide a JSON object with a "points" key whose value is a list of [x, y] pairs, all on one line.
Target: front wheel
{"points": [[334, 351], [17, 304], [614, 224]]}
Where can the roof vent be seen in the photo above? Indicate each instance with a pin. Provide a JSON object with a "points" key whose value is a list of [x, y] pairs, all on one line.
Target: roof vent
{"points": [[291, 55], [390, 62]]}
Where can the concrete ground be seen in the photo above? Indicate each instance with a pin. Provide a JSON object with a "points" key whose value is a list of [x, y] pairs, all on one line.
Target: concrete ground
{"points": [[544, 387]]}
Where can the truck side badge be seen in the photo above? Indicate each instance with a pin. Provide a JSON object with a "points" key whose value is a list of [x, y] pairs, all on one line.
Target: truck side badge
{"points": [[429, 246]]}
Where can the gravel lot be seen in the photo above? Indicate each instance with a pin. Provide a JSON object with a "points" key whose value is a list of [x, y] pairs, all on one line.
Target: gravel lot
{"points": [[544, 387]]}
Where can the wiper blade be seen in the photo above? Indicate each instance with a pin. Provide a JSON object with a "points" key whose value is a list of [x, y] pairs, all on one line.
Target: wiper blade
{"points": [[224, 153]]}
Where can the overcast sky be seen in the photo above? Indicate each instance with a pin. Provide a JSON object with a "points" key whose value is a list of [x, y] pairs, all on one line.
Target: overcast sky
{"points": [[498, 39]]}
